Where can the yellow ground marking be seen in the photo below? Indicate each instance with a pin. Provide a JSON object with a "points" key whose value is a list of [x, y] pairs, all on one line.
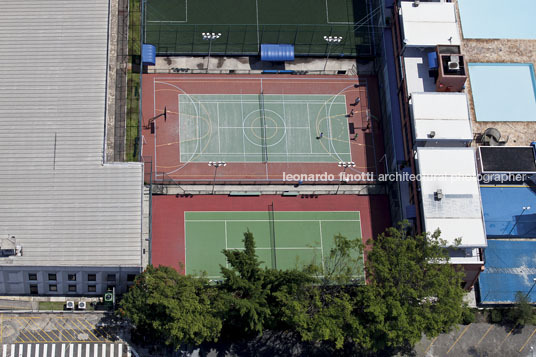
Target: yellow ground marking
{"points": [[485, 334], [63, 338], [67, 330], [509, 333], [455, 342], [39, 330], [24, 332], [83, 324], [430, 345], [527, 341]]}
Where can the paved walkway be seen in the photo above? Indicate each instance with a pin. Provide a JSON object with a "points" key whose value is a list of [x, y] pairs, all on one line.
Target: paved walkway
{"points": [[481, 339]]}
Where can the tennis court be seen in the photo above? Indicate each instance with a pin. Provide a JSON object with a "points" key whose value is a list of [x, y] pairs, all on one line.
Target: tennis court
{"points": [[175, 26], [284, 239], [264, 128]]}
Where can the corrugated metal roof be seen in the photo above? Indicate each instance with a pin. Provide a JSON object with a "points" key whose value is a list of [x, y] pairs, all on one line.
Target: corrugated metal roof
{"points": [[57, 198]]}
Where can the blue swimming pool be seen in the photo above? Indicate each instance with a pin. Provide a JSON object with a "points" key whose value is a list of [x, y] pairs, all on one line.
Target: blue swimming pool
{"points": [[507, 19], [503, 91]]}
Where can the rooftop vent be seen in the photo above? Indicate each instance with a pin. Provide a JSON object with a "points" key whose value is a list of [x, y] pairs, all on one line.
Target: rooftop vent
{"points": [[431, 134], [438, 195]]}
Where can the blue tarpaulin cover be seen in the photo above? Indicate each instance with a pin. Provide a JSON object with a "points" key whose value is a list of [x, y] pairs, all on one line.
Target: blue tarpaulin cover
{"points": [[277, 53], [148, 55]]}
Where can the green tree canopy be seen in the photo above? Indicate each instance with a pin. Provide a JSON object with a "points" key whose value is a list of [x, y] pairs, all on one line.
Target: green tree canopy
{"points": [[173, 308], [413, 288]]}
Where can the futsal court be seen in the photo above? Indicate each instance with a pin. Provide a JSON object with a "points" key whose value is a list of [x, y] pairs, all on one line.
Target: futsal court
{"points": [[258, 128], [261, 126], [175, 26], [284, 240]]}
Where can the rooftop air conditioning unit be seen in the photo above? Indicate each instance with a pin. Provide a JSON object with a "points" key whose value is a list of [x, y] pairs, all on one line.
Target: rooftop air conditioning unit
{"points": [[454, 63], [69, 305], [81, 305]]}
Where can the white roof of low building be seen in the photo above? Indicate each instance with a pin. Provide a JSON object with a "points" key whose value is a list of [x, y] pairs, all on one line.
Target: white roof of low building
{"points": [[416, 67], [446, 114], [458, 214], [429, 24], [62, 204]]}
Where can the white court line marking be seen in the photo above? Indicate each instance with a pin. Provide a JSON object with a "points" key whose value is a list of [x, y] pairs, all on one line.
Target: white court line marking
{"points": [[309, 127], [284, 123], [321, 246], [335, 22], [170, 21], [226, 262], [185, 238], [281, 248], [242, 119], [219, 136], [267, 220]]}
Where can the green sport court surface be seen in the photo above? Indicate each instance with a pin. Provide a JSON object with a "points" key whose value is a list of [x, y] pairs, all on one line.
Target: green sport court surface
{"points": [[278, 128], [296, 238], [175, 26]]}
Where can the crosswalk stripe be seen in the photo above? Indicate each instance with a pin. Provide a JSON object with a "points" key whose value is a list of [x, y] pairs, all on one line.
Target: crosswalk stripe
{"points": [[129, 354], [12, 354], [63, 350], [45, 350], [112, 350], [71, 350], [29, 351], [103, 350], [87, 349], [21, 350], [37, 350], [95, 350], [120, 350], [53, 353], [4, 351]]}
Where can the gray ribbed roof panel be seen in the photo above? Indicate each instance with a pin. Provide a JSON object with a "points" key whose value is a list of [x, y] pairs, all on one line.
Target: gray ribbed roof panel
{"points": [[57, 198]]}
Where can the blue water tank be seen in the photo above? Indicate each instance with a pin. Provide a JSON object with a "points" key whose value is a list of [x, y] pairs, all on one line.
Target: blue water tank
{"points": [[432, 60], [148, 55], [277, 53]]}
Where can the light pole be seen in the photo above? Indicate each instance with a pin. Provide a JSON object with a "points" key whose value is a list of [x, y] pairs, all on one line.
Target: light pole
{"points": [[532, 287], [210, 36], [344, 165], [523, 211], [216, 164], [331, 40]]}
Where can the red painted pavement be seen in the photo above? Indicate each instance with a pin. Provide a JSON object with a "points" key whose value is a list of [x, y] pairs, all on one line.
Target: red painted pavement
{"points": [[168, 216]]}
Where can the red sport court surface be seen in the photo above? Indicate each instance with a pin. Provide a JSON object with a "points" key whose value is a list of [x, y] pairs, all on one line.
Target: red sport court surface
{"points": [[262, 126], [169, 246]]}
